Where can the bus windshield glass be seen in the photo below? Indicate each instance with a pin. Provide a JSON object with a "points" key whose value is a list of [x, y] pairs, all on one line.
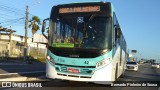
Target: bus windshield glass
{"points": [[90, 31]]}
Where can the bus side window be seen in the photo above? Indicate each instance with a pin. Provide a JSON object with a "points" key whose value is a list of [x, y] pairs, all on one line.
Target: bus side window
{"points": [[117, 35], [116, 30]]}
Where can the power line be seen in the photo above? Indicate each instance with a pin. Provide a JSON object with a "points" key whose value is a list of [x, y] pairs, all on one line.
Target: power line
{"points": [[2, 14], [11, 8], [12, 16], [13, 20], [11, 3], [11, 11]]}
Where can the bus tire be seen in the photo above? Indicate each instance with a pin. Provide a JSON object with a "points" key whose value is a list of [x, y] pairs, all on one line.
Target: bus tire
{"points": [[116, 72], [122, 76]]}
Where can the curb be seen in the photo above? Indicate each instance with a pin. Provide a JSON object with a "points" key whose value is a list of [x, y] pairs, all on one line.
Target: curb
{"points": [[19, 63], [13, 64], [7, 74]]}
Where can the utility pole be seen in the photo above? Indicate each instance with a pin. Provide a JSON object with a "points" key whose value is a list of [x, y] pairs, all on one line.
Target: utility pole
{"points": [[10, 40], [26, 32]]}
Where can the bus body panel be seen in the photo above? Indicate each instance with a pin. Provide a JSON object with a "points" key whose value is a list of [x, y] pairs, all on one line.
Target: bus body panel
{"points": [[116, 63], [108, 71], [97, 77]]}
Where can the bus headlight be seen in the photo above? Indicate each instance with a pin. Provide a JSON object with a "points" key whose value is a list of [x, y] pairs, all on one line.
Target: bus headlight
{"points": [[103, 62], [50, 60]]}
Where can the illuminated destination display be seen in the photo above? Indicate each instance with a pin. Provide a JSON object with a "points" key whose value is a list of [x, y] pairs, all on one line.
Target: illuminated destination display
{"points": [[80, 9]]}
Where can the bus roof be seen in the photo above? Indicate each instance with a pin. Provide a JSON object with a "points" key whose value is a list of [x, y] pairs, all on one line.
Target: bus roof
{"points": [[78, 3], [85, 7]]}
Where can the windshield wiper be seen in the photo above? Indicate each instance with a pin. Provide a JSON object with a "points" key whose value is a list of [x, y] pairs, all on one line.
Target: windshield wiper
{"points": [[91, 18], [86, 24]]}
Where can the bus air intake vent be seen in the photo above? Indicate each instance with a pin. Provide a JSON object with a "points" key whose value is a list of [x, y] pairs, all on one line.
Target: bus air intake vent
{"points": [[84, 77], [73, 76], [61, 74]]}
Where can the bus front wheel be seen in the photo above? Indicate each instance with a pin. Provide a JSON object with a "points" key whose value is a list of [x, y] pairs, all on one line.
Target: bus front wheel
{"points": [[116, 72]]}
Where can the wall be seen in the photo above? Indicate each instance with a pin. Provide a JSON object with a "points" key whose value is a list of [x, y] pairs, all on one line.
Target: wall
{"points": [[17, 46]]}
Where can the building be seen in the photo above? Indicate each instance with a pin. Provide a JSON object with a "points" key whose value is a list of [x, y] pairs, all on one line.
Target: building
{"points": [[13, 45]]}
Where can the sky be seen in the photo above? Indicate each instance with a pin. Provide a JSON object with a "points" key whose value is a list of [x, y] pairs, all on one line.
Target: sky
{"points": [[139, 20]]}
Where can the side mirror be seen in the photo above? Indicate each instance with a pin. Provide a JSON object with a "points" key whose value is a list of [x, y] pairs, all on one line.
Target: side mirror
{"points": [[44, 24], [44, 27]]}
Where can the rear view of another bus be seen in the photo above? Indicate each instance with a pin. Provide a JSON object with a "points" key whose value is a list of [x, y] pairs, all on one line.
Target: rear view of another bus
{"points": [[85, 43]]}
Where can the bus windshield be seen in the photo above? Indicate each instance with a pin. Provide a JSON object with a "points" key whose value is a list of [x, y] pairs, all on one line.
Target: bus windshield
{"points": [[81, 31]]}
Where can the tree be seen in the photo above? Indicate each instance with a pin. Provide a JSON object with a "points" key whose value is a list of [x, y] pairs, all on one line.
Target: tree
{"points": [[152, 60], [34, 24]]}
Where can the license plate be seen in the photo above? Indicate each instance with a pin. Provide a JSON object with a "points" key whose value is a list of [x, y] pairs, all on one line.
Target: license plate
{"points": [[73, 70], [131, 67]]}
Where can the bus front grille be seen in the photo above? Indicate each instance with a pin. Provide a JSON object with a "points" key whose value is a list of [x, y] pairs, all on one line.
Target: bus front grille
{"points": [[64, 69], [75, 66], [81, 71]]}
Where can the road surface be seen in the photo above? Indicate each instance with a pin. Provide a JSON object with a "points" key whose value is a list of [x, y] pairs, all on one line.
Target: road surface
{"points": [[16, 68], [145, 73]]}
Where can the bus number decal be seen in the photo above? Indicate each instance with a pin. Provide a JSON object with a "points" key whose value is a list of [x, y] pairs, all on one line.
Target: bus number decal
{"points": [[86, 62]]}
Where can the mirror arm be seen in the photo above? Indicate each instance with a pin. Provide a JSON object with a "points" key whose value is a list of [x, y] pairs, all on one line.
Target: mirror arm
{"points": [[44, 35]]}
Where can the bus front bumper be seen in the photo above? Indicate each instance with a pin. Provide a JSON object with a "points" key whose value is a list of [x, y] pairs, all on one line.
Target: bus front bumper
{"points": [[101, 76]]}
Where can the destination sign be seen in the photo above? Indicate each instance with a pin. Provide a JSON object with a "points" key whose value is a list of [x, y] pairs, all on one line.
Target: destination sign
{"points": [[80, 9]]}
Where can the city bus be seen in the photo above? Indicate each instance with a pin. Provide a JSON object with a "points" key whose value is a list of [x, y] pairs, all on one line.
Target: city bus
{"points": [[85, 43]]}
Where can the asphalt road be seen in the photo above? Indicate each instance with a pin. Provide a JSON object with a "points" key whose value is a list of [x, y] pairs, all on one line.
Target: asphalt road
{"points": [[145, 73], [16, 68], [22, 70]]}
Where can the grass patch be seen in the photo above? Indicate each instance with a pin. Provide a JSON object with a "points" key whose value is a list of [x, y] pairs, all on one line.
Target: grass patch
{"points": [[31, 59]]}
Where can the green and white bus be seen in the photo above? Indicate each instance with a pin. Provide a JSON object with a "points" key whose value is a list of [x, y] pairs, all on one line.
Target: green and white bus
{"points": [[85, 43]]}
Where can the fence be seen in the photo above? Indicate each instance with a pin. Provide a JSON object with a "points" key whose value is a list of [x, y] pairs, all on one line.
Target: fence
{"points": [[17, 51], [4, 50], [37, 52]]}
